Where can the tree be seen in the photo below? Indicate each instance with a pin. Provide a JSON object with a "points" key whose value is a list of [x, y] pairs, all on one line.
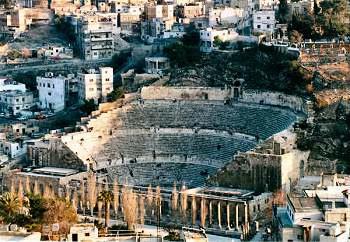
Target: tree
{"points": [[333, 18], [107, 198], [129, 203], [59, 211], [303, 24], [65, 27], [36, 207], [115, 197], [186, 52], [9, 207], [295, 37], [89, 106], [119, 59], [28, 78], [217, 41], [14, 54], [92, 192], [283, 12], [115, 94]]}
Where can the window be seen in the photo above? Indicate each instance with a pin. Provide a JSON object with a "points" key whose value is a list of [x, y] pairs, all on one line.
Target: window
{"points": [[258, 18], [17, 108], [17, 100], [268, 26], [107, 89], [23, 99], [53, 85], [48, 85], [87, 234], [107, 79], [259, 26], [91, 80], [91, 89], [268, 17], [49, 94]]}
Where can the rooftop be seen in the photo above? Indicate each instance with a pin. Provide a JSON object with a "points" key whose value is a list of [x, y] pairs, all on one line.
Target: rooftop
{"points": [[229, 194], [303, 204], [55, 171]]}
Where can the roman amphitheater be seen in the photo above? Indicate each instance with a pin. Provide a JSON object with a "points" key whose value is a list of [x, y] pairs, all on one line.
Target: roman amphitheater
{"points": [[219, 146], [182, 135]]}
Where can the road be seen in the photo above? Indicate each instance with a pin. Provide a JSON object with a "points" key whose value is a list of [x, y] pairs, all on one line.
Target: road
{"points": [[59, 65]]}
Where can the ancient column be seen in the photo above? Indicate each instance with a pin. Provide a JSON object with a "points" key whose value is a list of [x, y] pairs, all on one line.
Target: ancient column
{"points": [[228, 215], [245, 213], [237, 215], [204, 212], [194, 210], [210, 212], [219, 214]]}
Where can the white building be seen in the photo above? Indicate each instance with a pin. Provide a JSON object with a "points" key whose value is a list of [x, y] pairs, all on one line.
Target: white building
{"points": [[302, 7], [320, 211], [83, 232], [156, 65], [267, 4], [95, 84], [225, 16], [58, 52], [13, 149], [52, 92], [15, 102], [208, 36], [264, 21], [7, 84]]}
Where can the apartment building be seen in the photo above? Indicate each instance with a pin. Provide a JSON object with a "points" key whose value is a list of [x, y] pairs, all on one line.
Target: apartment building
{"points": [[95, 84], [95, 36], [264, 21]]}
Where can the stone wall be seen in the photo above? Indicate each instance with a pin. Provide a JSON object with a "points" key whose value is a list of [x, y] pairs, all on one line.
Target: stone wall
{"points": [[221, 94], [184, 93], [274, 98], [56, 183], [268, 168], [56, 154]]}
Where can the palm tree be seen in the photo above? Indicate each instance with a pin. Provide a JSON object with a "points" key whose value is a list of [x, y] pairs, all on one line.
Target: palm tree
{"points": [[9, 206], [107, 198]]}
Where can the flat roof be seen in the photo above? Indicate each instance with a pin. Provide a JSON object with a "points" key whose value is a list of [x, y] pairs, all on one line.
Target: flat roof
{"points": [[221, 193], [301, 204], [55, 171]]}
